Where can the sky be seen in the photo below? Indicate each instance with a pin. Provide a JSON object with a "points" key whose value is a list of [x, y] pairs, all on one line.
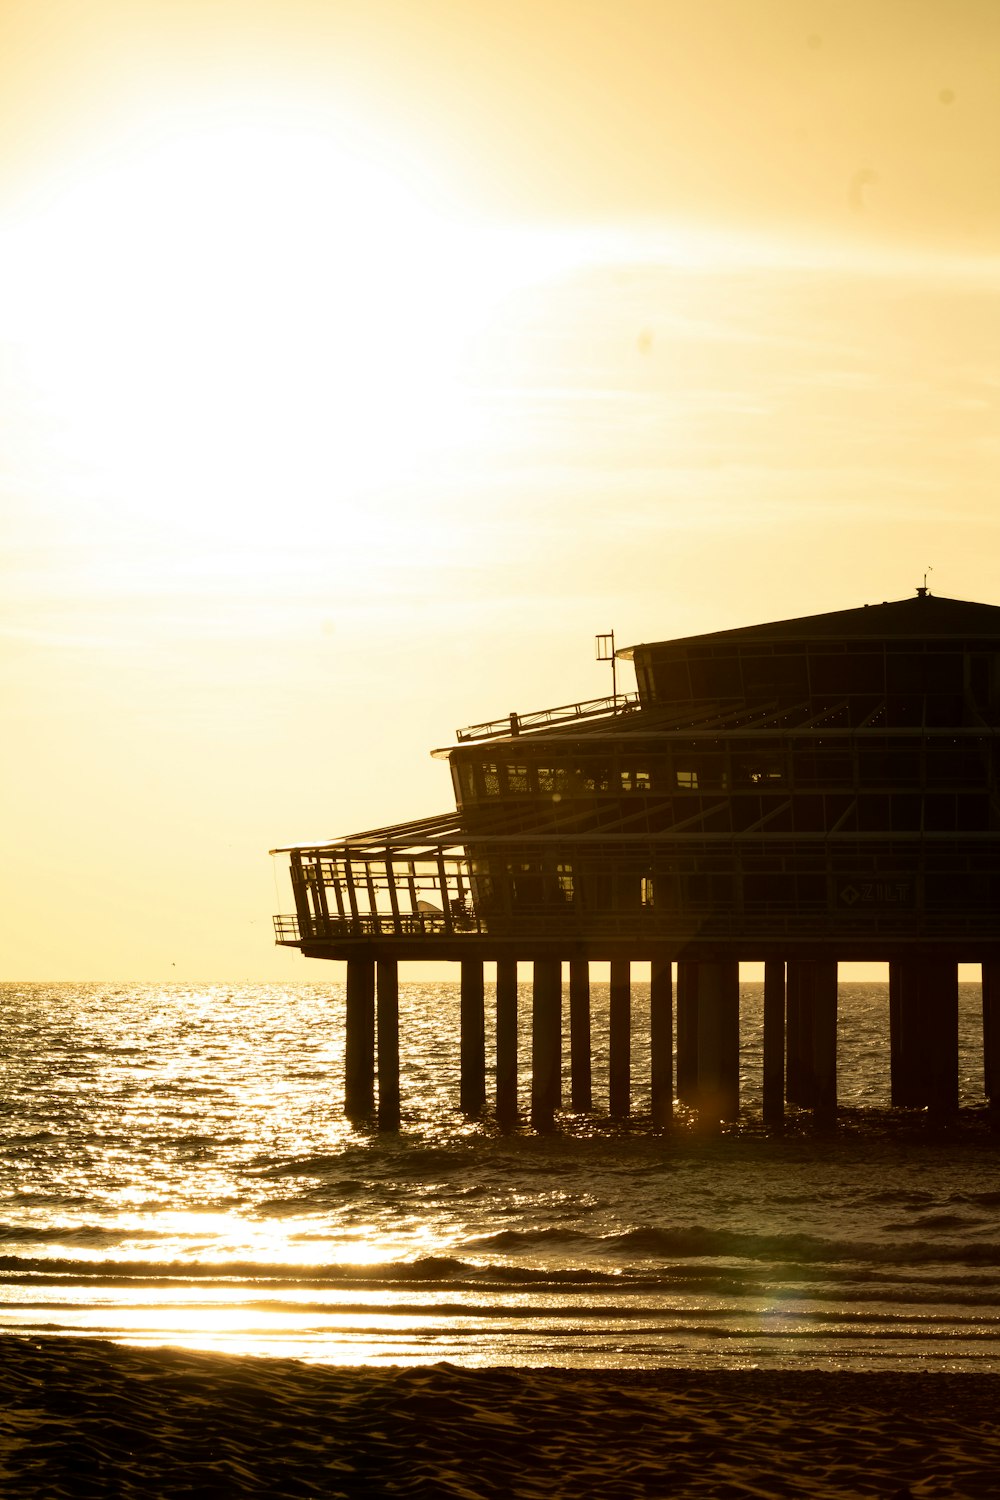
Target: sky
{"points": [[360, 361]]}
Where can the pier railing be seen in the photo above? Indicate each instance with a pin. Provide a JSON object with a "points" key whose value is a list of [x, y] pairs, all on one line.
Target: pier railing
{"points": [[566, 713], [288, 928], [708, 926]]}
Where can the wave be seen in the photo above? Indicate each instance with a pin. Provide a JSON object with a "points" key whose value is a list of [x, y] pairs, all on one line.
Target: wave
{"points": [[698, 1241], [441, 1275], [401, 1160], [710, 1322], [72, 1234], [933, 1221], [434, 1270], [927, 1240]]}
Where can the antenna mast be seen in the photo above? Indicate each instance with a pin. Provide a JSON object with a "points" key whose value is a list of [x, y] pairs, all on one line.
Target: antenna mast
{"points": [[606, 652]]}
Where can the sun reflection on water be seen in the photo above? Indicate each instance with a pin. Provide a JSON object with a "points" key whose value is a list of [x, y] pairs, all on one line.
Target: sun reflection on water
{"points": [[176, 1169]]}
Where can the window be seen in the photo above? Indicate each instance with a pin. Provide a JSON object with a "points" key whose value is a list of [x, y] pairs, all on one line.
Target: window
{"points": [[646, 890], [634, 781], [564, 882], [491, 780], [595, 779], [555, 780], [688, 780], [526, 883], [758, 770], [467, 782], [517, 780]]}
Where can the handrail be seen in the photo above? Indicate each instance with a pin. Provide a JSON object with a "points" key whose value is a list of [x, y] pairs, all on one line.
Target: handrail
{"points": [[567, 713], [810, 923]]}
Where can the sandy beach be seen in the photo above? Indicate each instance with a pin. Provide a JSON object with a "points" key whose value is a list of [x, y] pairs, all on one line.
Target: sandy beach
{"points": [[83, 1417]]}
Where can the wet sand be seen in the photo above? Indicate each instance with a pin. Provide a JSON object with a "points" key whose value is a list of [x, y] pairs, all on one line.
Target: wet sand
{"points": [[80, 1417]]}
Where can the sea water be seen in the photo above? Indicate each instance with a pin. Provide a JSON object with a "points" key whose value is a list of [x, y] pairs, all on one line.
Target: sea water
{"points": [[175, 1168]]}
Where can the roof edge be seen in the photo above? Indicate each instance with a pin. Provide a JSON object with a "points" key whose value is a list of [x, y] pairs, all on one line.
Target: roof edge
{"points": [[922, 616]]}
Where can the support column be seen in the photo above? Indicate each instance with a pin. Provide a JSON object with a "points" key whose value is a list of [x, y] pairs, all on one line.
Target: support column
{"points": [[546, 1042], [359, 1040], [579, 1034], [620, 1039], [991, 1037], [387, 1023], [895, 1034], [906, 1022], [940, 982], [718, 1042], [800, 1086], [661, 1040], [472, 1044], [811, 1036], [924, 1046], [824, 1041], [507, 1042], [774, 1044], [687, 1031]]}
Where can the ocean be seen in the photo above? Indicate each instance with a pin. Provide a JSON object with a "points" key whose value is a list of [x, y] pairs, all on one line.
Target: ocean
{"points": [[175, 1169]]}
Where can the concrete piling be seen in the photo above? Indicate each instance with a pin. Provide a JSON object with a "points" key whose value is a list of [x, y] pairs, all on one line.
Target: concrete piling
{"points": [[546, 1042], [620, 1039], [359, 1041], [506, 1042], [472, 1042]]}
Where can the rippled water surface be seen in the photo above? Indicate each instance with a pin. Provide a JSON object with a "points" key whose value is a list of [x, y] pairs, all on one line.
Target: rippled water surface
{"points": [[174, 1167]]}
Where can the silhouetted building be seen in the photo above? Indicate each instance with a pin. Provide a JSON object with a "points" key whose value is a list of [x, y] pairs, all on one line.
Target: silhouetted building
{"points": [[803, 792]]}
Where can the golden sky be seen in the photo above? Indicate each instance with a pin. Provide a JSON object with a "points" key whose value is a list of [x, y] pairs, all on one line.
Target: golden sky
{"points": [[359, 362]]}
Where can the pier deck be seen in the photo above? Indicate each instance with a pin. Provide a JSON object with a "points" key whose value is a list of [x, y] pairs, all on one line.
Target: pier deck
{"points": [[800, 794]]}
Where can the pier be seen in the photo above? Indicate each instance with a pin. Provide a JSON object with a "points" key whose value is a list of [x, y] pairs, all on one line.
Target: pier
{"points": [[798, 794]]}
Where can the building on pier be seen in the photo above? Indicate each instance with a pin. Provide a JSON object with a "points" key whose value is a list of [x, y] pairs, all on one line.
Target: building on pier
{"points": [[799, 793]]}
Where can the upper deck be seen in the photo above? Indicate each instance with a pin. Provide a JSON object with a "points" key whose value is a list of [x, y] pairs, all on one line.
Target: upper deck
{"points": [[827, 784], [923, 660]]}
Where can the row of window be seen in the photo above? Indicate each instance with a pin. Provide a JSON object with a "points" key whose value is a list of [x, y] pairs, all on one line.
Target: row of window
{"points": [[931, 765], [506, 779]]}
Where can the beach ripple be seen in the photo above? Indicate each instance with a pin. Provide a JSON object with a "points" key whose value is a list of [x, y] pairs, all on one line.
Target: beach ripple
{"points": [[81, 1418]]}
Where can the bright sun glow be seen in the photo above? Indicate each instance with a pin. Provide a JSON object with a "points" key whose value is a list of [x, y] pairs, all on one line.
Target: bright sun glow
{"points": [[231, 313]]}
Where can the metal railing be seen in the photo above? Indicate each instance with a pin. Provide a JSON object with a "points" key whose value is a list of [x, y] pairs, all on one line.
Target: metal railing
{"points": [[820, 925], [567, 713], [288, 928]]}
